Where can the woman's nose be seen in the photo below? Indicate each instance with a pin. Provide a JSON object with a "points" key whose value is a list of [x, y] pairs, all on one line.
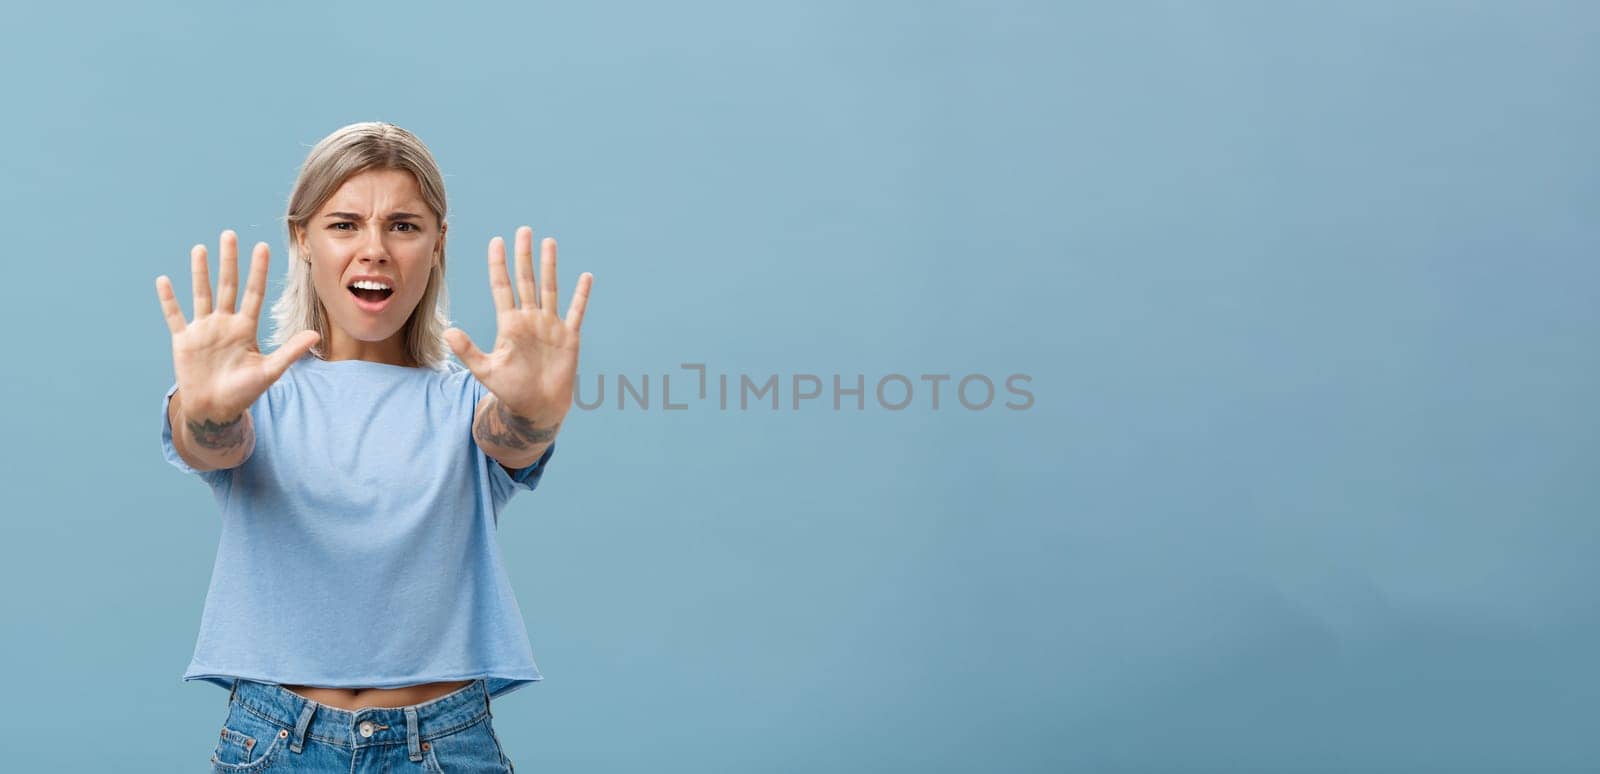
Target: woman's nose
{"points": [[372, 250]]}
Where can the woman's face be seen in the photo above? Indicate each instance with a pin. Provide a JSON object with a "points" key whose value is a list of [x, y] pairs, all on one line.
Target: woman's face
{"points": [[376, 230]]}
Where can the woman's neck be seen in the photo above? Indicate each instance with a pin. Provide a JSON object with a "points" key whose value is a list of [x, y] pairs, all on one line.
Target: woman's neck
{"points": [[391, 351]]}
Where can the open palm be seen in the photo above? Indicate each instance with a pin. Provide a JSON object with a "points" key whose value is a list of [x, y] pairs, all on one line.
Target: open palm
{"points": [[534, 363], [219, 366]]}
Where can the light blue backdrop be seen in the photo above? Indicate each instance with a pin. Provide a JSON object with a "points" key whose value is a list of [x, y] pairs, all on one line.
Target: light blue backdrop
{"points": [[1306, 292]]}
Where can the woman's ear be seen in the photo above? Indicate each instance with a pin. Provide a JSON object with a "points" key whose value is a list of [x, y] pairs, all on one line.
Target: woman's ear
{"points": [[299, 236]]}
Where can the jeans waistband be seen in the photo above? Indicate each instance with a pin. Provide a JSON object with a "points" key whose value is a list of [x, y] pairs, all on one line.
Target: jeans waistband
{"points": [[409, 725]]}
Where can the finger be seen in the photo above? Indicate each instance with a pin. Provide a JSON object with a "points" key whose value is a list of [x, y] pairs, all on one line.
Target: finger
{"points": [[499, 283], [169, 305], [547, 275], [292, 350], [525, 285], [202, 281], [228, 274], [580, 301], [469, 354], [255, 287]]}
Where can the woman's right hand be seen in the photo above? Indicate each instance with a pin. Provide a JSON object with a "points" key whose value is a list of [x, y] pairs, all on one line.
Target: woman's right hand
{"points": [[219, 366]]}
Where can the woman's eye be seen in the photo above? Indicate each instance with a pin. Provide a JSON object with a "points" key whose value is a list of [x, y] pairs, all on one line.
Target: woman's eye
{"points": [[409, 226], [341, 223]]}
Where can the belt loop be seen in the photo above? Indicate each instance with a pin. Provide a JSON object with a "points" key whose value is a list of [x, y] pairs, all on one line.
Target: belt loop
{"points": [[413, 740], [483, 683], [234, 691], [301, 726]]}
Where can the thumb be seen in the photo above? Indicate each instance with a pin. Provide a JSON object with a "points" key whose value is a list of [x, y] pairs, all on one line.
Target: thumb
{"points": [[461, 344], [292, 350]]}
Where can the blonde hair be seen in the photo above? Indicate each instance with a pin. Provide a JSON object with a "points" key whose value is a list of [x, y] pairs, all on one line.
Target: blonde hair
{"points": [[346, 152]]}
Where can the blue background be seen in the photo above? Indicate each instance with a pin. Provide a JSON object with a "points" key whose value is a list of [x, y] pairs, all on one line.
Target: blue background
{"points": [[1307, 294]]}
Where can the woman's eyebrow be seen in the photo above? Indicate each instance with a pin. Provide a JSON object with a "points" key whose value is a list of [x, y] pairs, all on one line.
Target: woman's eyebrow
{"points": [[392, 216]]}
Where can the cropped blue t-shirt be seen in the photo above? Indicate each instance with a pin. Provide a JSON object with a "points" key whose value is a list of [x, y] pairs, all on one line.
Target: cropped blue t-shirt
{"points": [[358, 544]]}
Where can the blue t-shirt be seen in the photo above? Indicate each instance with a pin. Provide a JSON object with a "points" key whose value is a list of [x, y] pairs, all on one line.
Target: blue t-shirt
{"points": [[358, 544]]}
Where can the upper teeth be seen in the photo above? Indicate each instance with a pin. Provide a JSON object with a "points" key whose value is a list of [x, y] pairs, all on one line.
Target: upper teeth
{"points": [[370, 285]]}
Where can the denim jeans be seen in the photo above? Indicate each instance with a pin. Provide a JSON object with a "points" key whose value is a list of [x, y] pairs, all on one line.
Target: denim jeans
{"points": [[271, 728]]}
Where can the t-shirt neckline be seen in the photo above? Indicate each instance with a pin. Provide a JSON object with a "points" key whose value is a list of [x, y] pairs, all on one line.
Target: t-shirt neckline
{"points": [[359, 363]]}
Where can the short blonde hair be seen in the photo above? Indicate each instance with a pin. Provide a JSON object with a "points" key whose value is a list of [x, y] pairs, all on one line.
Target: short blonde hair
{"points": [[346, 152]]}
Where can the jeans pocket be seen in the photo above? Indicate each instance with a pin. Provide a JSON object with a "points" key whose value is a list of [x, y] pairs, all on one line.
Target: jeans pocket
{"points": [[247, 743], [472, 749]]}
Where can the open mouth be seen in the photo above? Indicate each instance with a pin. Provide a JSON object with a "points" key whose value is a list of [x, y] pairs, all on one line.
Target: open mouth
{"points": [[373, 296], [369, 297]]}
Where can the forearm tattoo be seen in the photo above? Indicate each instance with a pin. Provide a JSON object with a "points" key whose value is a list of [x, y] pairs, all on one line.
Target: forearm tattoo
{"points": [[507, 429], [218, 436]]}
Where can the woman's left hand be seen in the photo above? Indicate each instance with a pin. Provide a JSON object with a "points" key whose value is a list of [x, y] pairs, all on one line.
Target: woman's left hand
{"points": [[534, 363]]}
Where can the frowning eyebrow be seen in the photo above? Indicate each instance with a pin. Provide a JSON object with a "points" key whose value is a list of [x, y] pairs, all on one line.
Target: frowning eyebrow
{"points": [[392, 216]]}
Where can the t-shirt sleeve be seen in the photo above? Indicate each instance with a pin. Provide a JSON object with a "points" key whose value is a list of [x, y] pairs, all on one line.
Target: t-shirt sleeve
{"points": [[213, 477], [507, 482]]}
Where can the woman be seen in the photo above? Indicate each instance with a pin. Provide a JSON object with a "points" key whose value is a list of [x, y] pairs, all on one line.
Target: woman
{"points": [[359, 612]]}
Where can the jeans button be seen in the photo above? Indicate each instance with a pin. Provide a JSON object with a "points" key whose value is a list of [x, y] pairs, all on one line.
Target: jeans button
{"points": [[366, 728]]}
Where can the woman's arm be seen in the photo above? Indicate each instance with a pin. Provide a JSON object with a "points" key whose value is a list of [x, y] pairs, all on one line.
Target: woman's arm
{"points": [[220, 369], [531, 371], [208, 444], [513, 440]]}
